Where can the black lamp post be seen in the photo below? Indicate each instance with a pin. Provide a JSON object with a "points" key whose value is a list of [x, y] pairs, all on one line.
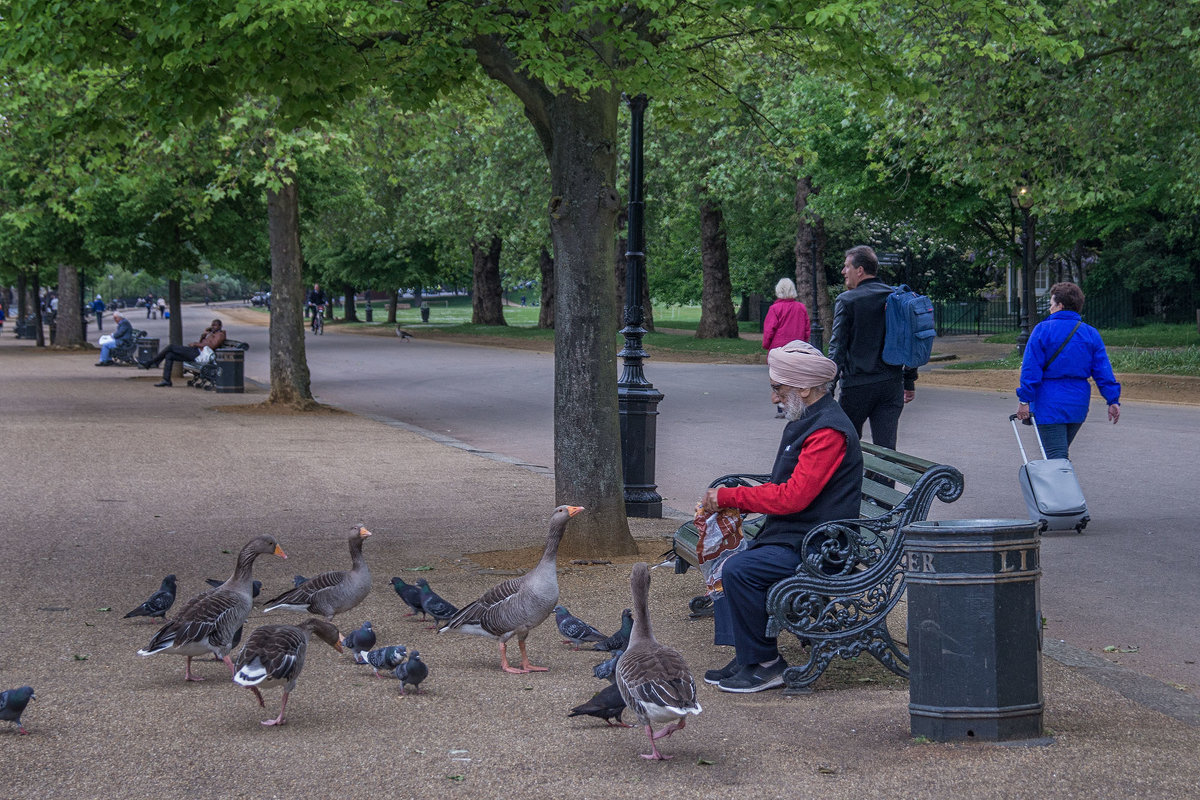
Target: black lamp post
{"points": [[637, 399], [1023, 200], [815, 316]]}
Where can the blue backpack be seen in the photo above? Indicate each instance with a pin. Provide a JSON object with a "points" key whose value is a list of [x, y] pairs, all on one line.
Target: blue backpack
{"points": [[908, 328]]}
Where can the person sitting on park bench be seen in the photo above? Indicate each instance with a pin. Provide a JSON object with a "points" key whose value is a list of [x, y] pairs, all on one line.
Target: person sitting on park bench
{"points": [[817, 477], [122, 337], [213, 336]]}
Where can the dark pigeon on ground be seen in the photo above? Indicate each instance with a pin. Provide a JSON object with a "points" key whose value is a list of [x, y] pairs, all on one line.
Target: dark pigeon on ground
{"points": [[386, 658], [158, 603], [620, 639], [576, 630], [412, 672], [12, 705], [359, 642], [411, 595], [607, 670], [607, 704], [257, 585], [435, 606]]}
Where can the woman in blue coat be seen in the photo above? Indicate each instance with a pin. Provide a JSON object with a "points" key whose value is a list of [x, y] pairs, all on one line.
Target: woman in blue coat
{"points": [[1054, 388]]}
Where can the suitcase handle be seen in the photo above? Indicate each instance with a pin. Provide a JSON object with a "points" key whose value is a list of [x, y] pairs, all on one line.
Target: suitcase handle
{"points": [[1033, 422]]}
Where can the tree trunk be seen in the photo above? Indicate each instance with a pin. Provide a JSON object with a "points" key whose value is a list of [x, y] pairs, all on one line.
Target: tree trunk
{"points": [[68, 325], [289, 367], [718, 319], [487, 298], [39, 323], [391, 306], [23, 299], [578, 134], [175, 323], [350, 312], [546, 310], [621, 264], [808, 228]]}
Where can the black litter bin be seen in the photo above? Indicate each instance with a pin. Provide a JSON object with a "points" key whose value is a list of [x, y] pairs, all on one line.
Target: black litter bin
{"points": [[424, 312], [147, 349], [231, 370], [974, 629]]}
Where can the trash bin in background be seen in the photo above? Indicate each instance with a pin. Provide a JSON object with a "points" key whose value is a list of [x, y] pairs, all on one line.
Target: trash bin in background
{"points": [[147, 349], [974, 629], [231, 370]]}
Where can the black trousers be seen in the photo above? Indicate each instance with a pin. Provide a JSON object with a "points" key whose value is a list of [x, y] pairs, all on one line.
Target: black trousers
{"points": [[172, 353], [881, 403]]}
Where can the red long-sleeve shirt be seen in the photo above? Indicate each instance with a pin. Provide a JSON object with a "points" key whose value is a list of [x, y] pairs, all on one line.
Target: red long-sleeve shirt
{"points": [[820, 456]]}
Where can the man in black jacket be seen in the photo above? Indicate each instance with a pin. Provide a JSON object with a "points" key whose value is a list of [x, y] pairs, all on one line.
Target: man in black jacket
{"points": [[871, 389]]}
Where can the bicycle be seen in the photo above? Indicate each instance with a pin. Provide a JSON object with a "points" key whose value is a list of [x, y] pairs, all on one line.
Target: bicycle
{"points": [[318, 320]]}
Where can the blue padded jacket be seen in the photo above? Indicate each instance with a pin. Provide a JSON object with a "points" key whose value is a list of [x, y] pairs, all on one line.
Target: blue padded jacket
{"points": [[1061, 393]]}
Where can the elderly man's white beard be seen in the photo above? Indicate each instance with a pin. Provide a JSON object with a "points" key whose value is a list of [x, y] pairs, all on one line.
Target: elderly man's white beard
{"points": [[793, 407]]}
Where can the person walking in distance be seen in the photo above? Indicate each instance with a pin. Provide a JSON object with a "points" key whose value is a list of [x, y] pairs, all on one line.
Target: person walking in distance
{"points": [[787, 321], [870, 389]]}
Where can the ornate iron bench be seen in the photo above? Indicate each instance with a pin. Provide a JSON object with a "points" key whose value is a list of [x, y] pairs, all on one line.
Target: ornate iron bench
{"points": [[127, 354], [838, 601]]}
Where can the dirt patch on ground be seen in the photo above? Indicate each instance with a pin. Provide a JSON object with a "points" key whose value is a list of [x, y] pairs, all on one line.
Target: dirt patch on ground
{"points": [[526, 557], [280, 410], [1178, 389]]}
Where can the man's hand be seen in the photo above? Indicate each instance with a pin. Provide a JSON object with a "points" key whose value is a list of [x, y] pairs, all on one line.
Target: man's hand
{"points": [[708, 504], [909, 394]]}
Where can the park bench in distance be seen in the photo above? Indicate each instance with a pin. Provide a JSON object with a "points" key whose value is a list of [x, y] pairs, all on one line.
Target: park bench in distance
{"points": [[853, 574], [204, 376]]}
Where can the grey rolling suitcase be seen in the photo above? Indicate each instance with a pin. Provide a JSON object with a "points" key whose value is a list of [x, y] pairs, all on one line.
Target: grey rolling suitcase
{"points": [[1051, 490]]}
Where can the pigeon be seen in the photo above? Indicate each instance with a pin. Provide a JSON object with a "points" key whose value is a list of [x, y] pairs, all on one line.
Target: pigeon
{"points": [[620, 639], [159, 602], [607, 670], [13, 702], [412, 672], [255, 587], [607, 704], [654, 679], [411, 595], [435, 606], [576, 630], [386, 658], [359, 642], [403, 334]]}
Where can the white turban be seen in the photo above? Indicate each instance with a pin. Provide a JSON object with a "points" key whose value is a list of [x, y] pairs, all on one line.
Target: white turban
{"points": [[800, 365]]}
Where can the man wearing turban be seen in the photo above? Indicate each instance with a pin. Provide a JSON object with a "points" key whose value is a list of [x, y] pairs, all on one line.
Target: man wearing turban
{"points": [[817, 477]]}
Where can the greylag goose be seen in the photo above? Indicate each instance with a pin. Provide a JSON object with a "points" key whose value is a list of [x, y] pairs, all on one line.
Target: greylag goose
{"points": [[209, 621], [274, 655], [12, 705], [159, 602], [518, 605], [331, 592], [653, 678]]}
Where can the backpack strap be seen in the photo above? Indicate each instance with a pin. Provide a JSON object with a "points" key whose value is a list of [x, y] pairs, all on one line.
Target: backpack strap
{"points": [[1046, 366]]}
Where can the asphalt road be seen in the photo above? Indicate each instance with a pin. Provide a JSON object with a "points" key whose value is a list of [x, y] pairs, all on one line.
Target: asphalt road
{"points": [[1128, 584]]}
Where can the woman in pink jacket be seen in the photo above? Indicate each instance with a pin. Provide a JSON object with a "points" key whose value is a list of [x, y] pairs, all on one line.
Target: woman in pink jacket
{"points": [[787, 321]]}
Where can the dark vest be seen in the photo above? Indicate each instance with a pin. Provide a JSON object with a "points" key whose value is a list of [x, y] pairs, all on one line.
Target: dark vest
{"points": [[839, 499]]}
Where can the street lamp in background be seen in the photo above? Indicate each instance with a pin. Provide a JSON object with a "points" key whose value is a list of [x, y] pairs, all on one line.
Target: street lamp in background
{"points": [[637, 399], [815, 316], [1023, 199], [110, 288], [206, 289]]}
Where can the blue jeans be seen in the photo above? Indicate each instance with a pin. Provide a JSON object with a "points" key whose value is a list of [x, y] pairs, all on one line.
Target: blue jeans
{"points": [[106, 350], [1057, 437]]}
